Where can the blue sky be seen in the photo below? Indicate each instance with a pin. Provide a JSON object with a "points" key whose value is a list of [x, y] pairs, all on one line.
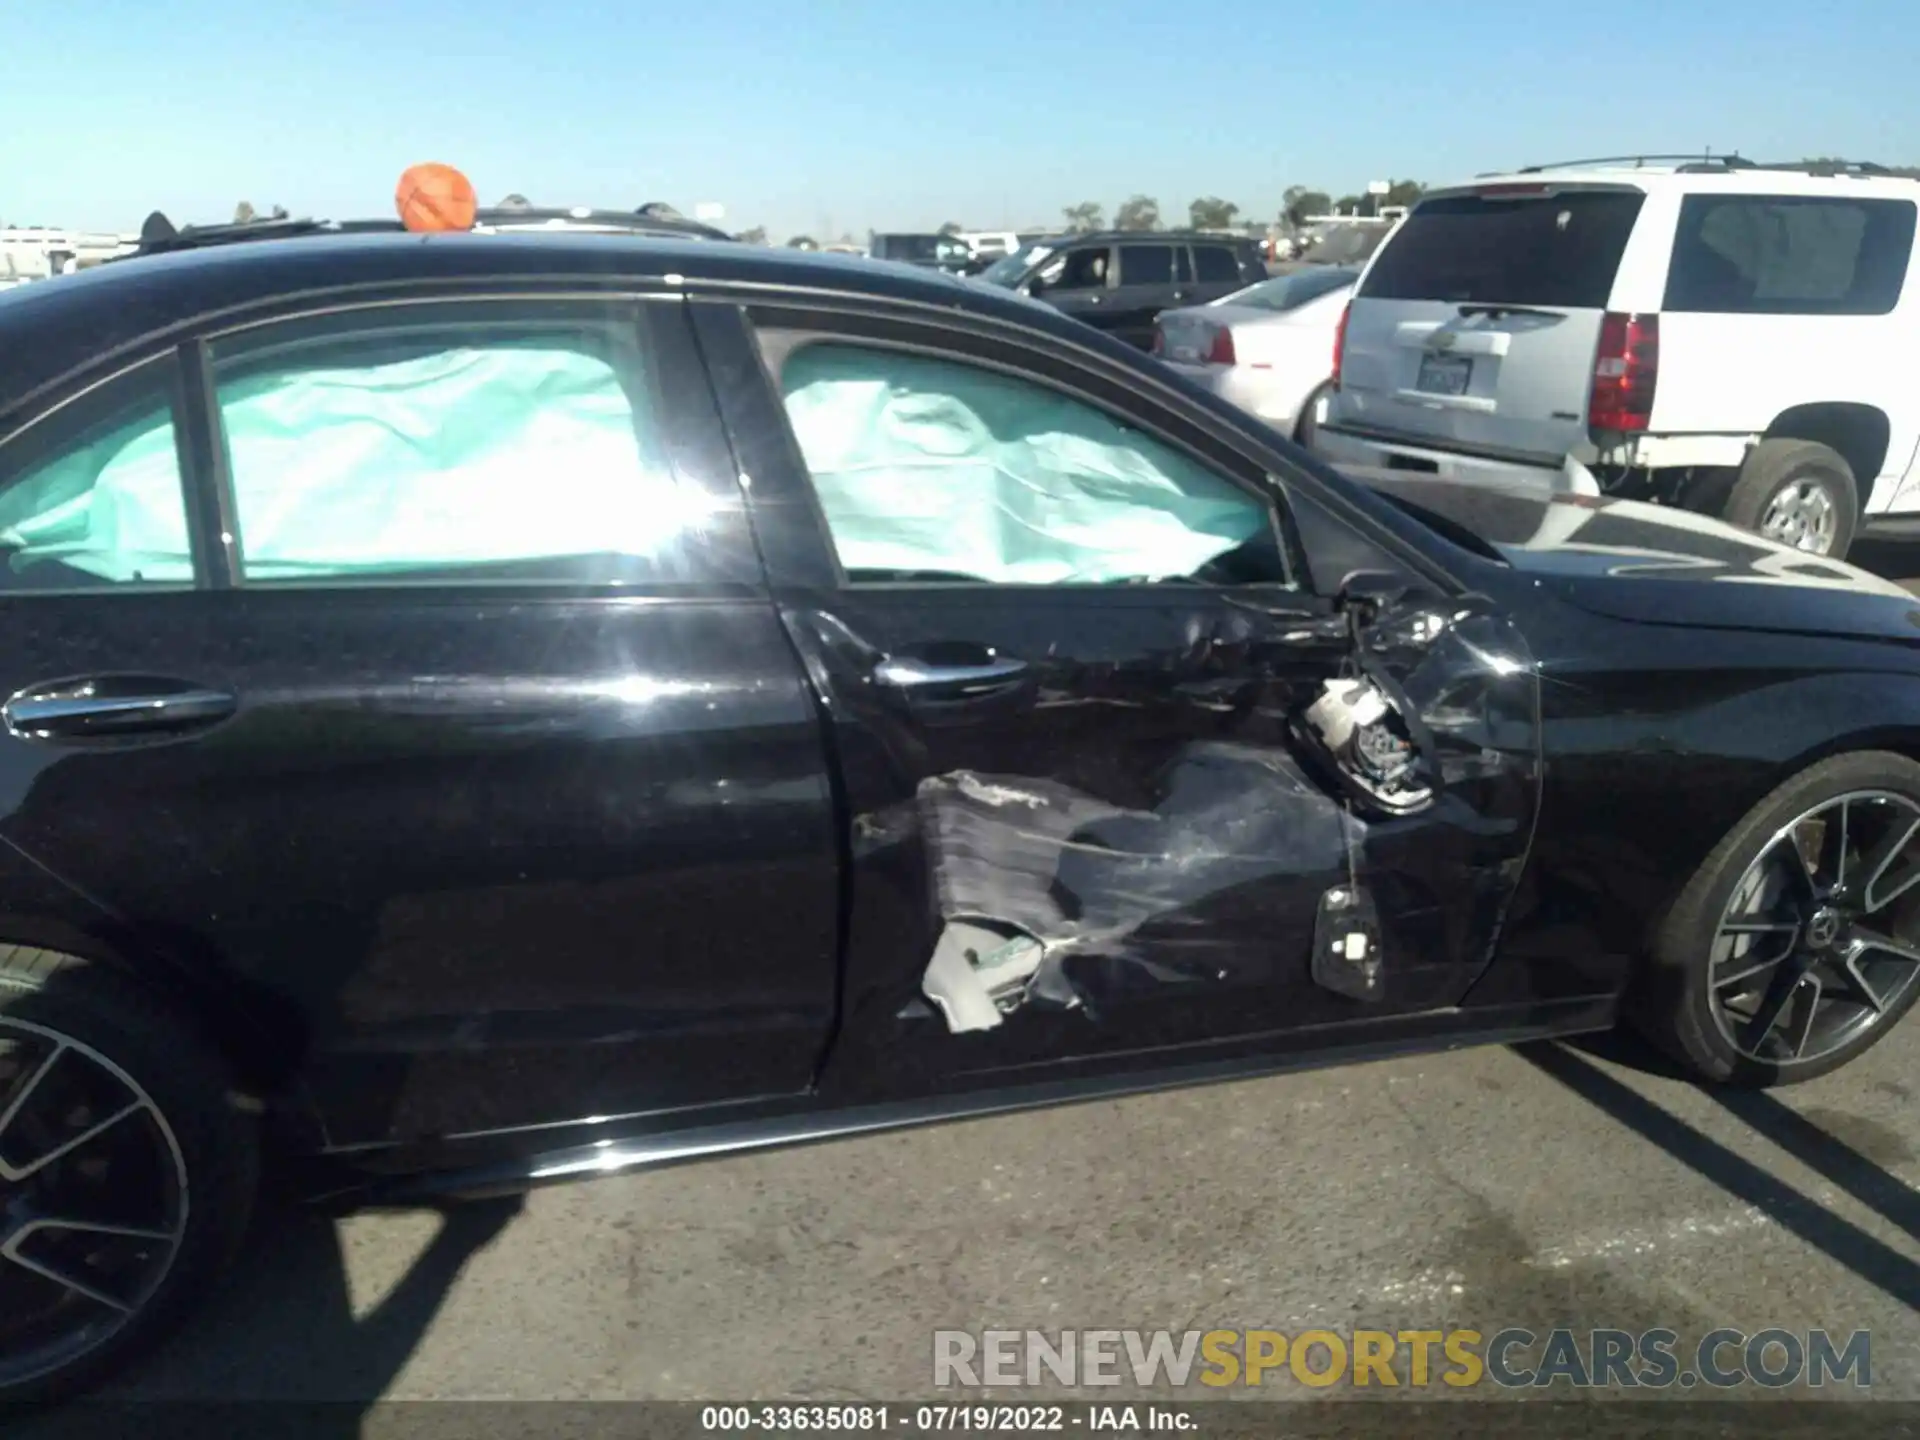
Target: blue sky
{"points": [[809, 115]]}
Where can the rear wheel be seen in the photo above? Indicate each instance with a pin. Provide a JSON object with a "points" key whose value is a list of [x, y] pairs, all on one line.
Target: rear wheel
{"points": [[126, 1172], [1799, 493], [1796, 945]]}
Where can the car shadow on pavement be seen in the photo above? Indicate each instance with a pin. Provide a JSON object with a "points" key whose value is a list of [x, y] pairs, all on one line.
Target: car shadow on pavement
{"points": [[1874, 1261], [1826, 1154], [278, 1348], [1849, 1151]]}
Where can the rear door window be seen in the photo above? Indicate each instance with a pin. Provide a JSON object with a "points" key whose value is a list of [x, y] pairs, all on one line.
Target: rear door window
{"points": [[1557, 250], [91, 497], [1215, 264], [510, 442], [1146, 264], [1789, 255]]}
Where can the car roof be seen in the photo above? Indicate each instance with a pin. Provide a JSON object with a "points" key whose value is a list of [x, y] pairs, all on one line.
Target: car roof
{"points": [[1156, 237], [52, 329]]}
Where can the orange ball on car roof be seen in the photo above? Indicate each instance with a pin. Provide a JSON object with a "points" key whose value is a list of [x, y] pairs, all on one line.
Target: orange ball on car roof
{"points": [[433, 197]]}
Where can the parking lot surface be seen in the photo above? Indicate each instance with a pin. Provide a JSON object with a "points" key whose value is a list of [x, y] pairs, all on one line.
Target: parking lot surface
{"points": [[1490, 1188], [1557, 1185]]}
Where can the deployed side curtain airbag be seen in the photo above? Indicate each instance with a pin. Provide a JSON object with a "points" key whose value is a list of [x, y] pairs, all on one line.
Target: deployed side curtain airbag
{"points": [[112, 509], [925, 465], [461, 457]]}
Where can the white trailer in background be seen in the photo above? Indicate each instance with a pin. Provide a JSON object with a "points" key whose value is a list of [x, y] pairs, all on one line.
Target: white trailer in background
{"points": [[41, 252]]}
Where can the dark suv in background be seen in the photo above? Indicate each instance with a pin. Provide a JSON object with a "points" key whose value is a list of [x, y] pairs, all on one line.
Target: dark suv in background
{"points": [[1118, 281]]}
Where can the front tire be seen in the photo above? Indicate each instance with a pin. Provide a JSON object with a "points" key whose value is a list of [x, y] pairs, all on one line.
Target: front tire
{"points": [[1796, 945], [1799, 493], [127, 1172]]}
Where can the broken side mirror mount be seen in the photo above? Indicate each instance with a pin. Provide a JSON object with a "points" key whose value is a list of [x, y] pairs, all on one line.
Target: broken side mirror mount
{"points": [[1362, 724], [1366, 593]]}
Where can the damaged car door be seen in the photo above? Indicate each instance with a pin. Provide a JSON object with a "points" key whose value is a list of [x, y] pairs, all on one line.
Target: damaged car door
{"points": [[1116, 778]]}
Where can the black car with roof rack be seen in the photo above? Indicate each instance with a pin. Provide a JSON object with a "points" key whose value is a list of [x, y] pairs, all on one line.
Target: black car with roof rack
{"points": [[481, 710], [1119, 280], [159, 235]]}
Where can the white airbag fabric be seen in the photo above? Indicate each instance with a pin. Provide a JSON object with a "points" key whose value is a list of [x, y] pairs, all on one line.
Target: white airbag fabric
{"points": [[925, 465], [461, 457]]}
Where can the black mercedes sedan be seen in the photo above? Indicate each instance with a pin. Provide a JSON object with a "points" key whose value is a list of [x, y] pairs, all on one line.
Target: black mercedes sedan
{"points": [[483, 710]]}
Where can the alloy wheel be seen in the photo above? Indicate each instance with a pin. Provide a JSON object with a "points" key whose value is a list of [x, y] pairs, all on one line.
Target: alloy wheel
{"points": [[1801, 515], [1814, 947], [93, 1200]]}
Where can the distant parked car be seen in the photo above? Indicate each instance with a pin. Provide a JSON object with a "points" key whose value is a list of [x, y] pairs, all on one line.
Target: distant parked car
{"points": [[931, 252], [987, 246], [1351, 244], [1119, 281], [1267, 348]]}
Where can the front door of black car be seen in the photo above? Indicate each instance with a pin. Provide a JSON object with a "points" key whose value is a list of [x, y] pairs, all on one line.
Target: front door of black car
{"points": [[1063, 658], [479, 757]]}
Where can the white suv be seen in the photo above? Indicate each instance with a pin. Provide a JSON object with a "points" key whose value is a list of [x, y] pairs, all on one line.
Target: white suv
{"points": [[1734, 338]]}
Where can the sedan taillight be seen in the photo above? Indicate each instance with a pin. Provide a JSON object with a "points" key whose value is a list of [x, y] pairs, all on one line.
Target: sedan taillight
{"points": [[1221, 351]]}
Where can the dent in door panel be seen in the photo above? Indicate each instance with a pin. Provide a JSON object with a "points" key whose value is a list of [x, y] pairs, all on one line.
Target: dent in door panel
{"points": [[1049, 896]]}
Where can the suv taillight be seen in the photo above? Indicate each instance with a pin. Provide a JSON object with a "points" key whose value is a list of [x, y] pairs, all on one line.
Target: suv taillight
{"points": [[1340, 342], [1221, 351], [1624, 373]]}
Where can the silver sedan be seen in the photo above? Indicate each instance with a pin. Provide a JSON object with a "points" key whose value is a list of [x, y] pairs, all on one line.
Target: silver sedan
{"points": [[1267, 348]]}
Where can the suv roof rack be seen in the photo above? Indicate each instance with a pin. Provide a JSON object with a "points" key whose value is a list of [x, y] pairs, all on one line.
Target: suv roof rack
{"points": [[159, 235], [1829, 167], [1690, 162], [1709, 164]]}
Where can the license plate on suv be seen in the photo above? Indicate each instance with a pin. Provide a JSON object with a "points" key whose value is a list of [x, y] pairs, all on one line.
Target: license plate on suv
{"points": [[1444, 374]]}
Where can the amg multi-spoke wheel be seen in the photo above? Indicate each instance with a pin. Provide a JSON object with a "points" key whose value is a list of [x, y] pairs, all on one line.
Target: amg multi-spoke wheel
{"points": [[125, 1173], [1809, 954], [1797, 945]]}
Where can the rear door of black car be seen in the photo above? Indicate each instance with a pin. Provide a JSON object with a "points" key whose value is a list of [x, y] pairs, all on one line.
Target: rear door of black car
{"points": [[1063, 636], [442, 707]]}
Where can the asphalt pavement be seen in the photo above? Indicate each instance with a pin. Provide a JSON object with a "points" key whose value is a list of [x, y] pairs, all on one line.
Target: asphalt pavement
{"points": [[1554, 1185]]}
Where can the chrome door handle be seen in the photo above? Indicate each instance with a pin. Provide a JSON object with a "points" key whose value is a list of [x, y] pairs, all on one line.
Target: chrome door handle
{"points": [[906, 673], [82, 709]]}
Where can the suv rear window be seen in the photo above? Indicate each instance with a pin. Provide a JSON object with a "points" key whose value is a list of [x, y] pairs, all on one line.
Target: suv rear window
{"points": [[1559, 250], [1789, 255]]}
